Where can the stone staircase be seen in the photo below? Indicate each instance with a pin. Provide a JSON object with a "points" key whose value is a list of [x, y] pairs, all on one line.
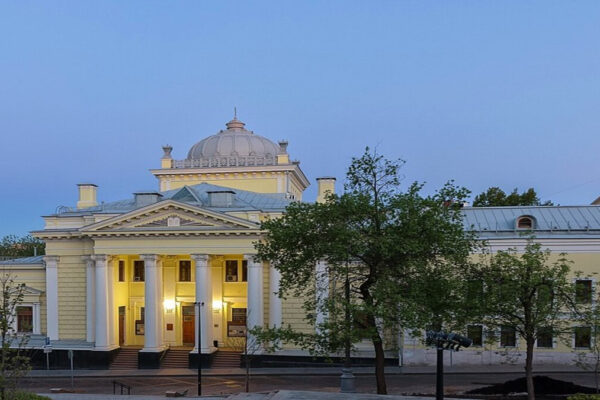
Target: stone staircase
{"points": [[176, 358], [127, 358], [226, 359]]}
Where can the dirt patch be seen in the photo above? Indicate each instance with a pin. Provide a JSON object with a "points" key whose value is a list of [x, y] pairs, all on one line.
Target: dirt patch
{"points": [[542, 385]]}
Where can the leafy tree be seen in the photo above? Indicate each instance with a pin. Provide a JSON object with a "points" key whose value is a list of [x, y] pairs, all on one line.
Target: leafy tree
{"points": [[14, 363], [26, 246], [588, 315], [495, 196], [399, 252], [527, 292]]}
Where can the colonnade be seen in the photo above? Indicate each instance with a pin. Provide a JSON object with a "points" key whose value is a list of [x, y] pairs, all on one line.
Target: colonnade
{"points": [[100, 308]]}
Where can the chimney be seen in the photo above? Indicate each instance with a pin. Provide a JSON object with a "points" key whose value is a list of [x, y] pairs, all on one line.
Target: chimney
{"points": [[87, 195], [283, 156], [220, 198], [326, 186], [146, 198]]}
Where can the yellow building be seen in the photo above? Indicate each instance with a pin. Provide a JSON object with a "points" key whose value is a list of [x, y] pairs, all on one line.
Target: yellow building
{"points": [[127, 283]]}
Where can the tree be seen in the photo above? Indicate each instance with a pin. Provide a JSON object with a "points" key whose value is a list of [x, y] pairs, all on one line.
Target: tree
{"points": [[527, 293], [588, 315], [13, 362], [495, 196], [26, 246], [385, 243]]}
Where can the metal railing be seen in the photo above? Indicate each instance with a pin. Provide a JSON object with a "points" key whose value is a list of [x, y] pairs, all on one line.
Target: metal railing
{"points": [[122, 387]]}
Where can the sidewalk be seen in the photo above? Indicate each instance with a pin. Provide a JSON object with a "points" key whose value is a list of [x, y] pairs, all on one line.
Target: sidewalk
{"points": [[334, 371]]}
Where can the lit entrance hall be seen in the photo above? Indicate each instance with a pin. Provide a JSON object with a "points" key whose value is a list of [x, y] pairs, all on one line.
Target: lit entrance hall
{"points": [[151, 302]]}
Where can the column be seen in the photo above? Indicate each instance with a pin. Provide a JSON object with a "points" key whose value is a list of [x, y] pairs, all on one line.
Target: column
{"points": [[52, 296], [274, 299], [153, 304], [254, 316], [102, 323], [203, 295], [36, 319], [90, 299], [322, 292]]}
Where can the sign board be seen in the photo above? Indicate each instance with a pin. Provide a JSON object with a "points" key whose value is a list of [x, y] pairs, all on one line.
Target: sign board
{"points": [[47, 349], [70, 354]]}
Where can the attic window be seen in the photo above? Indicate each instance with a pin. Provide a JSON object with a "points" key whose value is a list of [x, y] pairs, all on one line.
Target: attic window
{"points": [[525, 223]]}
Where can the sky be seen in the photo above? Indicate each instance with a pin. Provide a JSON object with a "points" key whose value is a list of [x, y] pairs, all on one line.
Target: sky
{"points": [[487, 93]]}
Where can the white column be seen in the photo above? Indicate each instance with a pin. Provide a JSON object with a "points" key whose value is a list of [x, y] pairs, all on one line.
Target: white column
{"points": [[255, 311], [110, 281], [102, 322], [274, 299], [153, 338], [52, 296], [203, 295], [90, 299], [322, 292]]}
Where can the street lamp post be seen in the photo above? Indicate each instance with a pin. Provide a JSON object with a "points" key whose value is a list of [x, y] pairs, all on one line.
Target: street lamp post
{"points": [[199, 304]]}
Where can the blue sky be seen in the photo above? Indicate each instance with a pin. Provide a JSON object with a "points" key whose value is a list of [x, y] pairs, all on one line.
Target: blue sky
{"points": [[489, 93]]}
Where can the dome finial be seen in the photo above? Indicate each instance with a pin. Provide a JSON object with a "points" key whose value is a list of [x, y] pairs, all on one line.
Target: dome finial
{"points": [[235, 124], [234, 112]]}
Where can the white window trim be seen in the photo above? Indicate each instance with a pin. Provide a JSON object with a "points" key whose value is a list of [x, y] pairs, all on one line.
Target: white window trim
{"points": [[36, 319]]}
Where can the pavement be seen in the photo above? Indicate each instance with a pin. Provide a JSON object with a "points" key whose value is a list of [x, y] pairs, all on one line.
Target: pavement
{"points": [[324, 371], [276, 395]]}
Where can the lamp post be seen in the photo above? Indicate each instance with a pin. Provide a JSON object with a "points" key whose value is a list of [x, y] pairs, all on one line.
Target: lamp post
{"points": [[199, 304], [444, 341]]}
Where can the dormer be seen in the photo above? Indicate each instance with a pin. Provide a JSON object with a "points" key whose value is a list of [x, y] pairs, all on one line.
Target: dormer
{"points": [[525, 222]]}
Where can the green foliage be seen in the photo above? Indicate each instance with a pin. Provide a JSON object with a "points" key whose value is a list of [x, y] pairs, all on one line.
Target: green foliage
{"points": [[14, 363], [495, 196], [526, 291], [582, 396], [14, 246], [588, 314], [404, 255]]}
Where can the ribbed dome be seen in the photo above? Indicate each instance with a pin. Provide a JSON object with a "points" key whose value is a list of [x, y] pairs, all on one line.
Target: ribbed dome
{"points": [[235, 141]]}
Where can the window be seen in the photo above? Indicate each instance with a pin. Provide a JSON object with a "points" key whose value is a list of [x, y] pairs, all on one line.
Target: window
{"points": [[121, 271], [525, 223], [231, 271], [583, 291], [508, 336], [583, 337], [475, 333], [24, 319], [544, 338], [138, 271], [245, 271], [185, 271]]}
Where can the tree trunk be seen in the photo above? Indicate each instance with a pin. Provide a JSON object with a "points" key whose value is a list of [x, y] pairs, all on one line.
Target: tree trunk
{"points": [[379, 365], [529, 369]]}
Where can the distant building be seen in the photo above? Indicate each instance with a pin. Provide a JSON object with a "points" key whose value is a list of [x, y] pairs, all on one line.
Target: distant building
{"points": [[120, 280]]}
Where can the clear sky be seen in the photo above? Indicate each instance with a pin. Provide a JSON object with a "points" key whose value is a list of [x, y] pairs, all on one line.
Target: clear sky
{"points": [[489, 93]]}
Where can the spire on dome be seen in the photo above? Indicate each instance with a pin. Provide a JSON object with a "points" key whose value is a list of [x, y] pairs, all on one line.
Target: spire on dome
{"points": [[235, 123]]}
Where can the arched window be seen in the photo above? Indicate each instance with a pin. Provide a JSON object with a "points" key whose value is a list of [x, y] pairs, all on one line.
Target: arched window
{"points": [[525, 222]]}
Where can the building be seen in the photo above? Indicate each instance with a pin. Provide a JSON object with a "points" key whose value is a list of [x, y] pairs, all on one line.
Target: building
{"points": [[142, 273]]}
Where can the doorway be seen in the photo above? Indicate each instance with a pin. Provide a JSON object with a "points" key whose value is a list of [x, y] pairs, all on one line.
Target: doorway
{"points": [[121, 325], [188, 325]]}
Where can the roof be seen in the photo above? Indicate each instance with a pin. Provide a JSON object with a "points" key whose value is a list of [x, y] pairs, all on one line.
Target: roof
{"points": [[196, 195], [23, 261], [501, 221]]}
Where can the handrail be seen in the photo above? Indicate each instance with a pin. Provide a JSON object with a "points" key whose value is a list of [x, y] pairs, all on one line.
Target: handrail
{"points": [[122, 386]]}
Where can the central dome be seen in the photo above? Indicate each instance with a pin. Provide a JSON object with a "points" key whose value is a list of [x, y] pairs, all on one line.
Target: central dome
{"points": [[235, 144]]}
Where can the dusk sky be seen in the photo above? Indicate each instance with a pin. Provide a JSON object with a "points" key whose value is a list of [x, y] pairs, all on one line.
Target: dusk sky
{"points": [[488, 93]]}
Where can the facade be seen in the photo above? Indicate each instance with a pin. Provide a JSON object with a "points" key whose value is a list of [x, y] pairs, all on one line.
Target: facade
{"points": [[143, 273]]}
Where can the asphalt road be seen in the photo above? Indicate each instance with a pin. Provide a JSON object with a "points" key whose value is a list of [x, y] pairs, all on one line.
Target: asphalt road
{"points": [[397, 384]]}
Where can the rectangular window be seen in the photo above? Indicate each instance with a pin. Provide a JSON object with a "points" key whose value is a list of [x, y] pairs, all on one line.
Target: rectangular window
{"points": [[475, 333], [24, 319], [121, 271], [231, 271], [583, 336], [245, 271], [138, 271], [508, 336], [544, 338], [185, 271], [583, 291]]}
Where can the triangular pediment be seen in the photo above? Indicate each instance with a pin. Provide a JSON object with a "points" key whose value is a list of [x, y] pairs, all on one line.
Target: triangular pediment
{"points": [[171, 215]]}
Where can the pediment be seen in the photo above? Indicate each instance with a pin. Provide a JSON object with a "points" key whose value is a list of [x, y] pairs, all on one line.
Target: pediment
{"points": [[171, 215]]}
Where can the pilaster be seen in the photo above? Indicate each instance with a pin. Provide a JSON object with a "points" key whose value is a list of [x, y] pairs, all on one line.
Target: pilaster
{"points": [[90, 299], [52, 296]]}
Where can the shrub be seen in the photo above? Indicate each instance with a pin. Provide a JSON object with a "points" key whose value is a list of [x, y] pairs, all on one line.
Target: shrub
{"points": [[19, 395], [581, 396]]}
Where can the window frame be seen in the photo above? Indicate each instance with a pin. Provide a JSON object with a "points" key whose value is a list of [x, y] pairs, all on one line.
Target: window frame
{"points": [[537, 341], [590, 299], [575, 329], [514, 333], [188, 263], [31, 328], [121, 271], [136, 263], [481, 335]]}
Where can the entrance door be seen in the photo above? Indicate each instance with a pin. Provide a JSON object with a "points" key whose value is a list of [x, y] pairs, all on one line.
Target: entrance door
{"points": [[121, 325], [188, 325]]}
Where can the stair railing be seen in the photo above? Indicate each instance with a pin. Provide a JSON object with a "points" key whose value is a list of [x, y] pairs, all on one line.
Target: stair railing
{"points": [[122, 387]]}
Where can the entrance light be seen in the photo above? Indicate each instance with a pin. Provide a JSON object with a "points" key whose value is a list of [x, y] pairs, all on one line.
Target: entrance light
{"points": [[217, 304], [169, 305]]}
